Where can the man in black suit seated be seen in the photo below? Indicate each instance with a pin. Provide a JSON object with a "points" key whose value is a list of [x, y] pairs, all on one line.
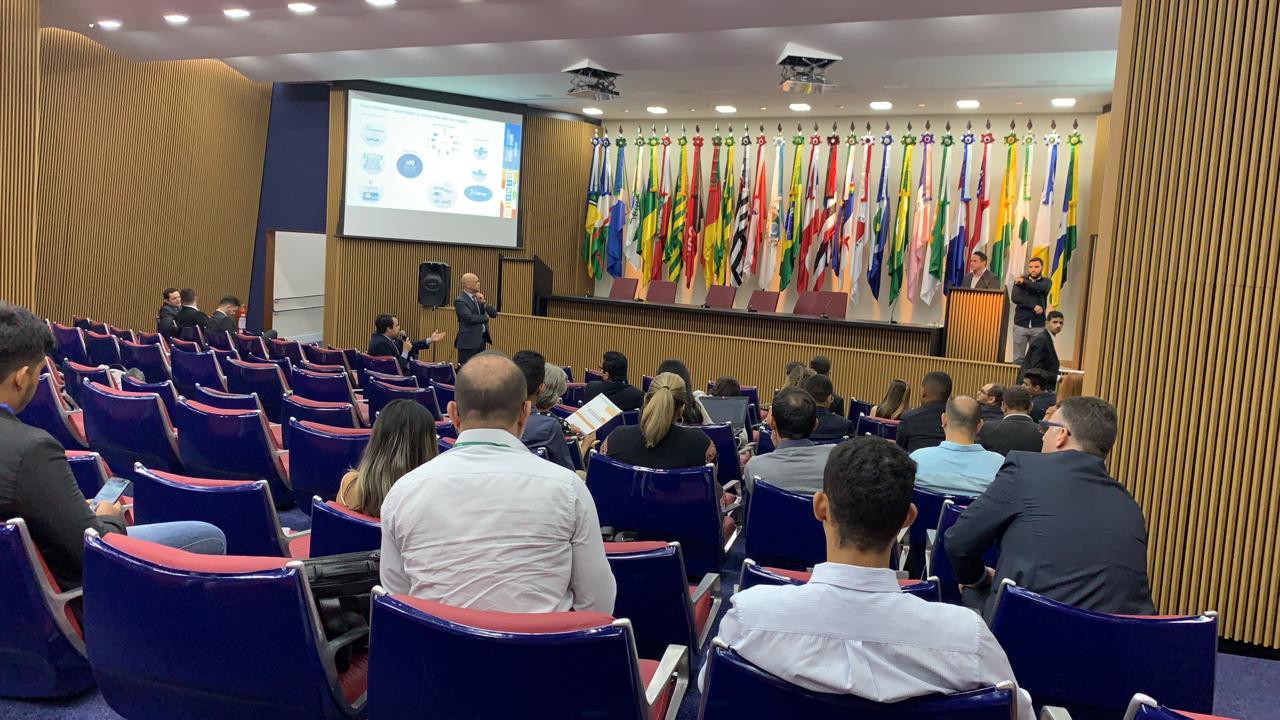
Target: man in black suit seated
{"points": [[615, 386], [1042, 353], [389, 341], [1016, 430], [167, 315], [1066, 529], [225, 318], [979, 277], [830, 425], [1042, 396], [921, 426], [473, 319], [990, 400], [821, 364], [189, 315]]}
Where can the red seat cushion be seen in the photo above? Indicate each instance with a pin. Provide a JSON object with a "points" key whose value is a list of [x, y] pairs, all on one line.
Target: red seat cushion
{"points": [[355, 679], [362, 409], [348, 511], [729, 526], [649, 668], [300, 547], [182, 560], [277, 435], [77, 424], [1198, 716], [634, 547], [795, 574], [284, 461], [701, 609], [532, 623]]}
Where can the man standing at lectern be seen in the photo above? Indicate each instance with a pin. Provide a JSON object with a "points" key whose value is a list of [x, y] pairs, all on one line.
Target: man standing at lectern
{"points": [[473, 319], [979, 277]]}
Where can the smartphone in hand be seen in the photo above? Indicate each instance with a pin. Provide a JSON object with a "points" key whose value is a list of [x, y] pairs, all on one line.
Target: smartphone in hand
{"points": [[110, 492]]}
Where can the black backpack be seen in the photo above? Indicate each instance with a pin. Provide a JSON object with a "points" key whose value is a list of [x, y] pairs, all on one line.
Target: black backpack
{"points": [[342, 586]]}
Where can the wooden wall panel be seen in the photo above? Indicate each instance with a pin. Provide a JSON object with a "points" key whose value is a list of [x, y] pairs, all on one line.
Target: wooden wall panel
{"points": [[149, 176], [974, 324], [1182, 312], [517, 287], [19, 146]]}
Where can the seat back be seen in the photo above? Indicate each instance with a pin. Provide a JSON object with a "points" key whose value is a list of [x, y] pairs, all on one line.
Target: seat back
{"points": [[661, 292], [728, 463], [939, 562], [336, 530], [89, 469], [323, 413], [645, 380], [781, 529], [226, 400], [764, 441], [575, 394], [168, 395], [250, 345], [319, 456], [103, 348], [591, 376], [653, 593], [129, 427], [265, 379], [613, 423], [193, 334], [321, 386], [379, 394], [285, 349], [221, 340], [763, 301], [202, 658], [230, 445], [755, 574], [196, 368], [70, 343], [721, 297], [43, 655], [444, 395], [672, 505], [47, 412], [1099, 661], [74, 374], [623, 288], [441, 661], [150, 359], [242, 509], [856, 409], [325, 356], [386, 365], [630, 417], [405, 381], [428, 372], [876, 427], [736, 689], [928, 514], [177, 343]]}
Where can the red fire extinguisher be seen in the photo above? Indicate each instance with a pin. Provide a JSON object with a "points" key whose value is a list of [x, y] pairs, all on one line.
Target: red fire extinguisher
{"points": [[244, 313]]}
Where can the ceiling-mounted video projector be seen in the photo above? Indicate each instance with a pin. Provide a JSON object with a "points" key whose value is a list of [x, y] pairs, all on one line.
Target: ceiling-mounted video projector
{"points": [[804, 69], [591, 81]]}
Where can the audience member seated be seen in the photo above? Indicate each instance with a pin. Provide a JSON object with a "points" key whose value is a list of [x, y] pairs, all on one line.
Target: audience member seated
{"points": [[830, 425], [403, 438], [797, 462], [991, 402], [167, 315], [1071, 385], [615, 386], [794, 375], [692, 413], [958, 466], [1042, 398], [821, 364], [1066, 529], [388, 341], [489, 525], [189, 315], [1016, 431], [659, 441], [851, 629], [226, 318], [37, 484], [922, 426], [897, 397], [542, 430]]}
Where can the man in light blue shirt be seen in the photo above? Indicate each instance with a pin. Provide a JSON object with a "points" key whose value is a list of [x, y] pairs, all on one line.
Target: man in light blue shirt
{"points": [[959, 466]]}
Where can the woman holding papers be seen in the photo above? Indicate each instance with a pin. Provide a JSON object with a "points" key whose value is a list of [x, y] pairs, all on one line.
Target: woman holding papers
{"points": [[658, 442]]}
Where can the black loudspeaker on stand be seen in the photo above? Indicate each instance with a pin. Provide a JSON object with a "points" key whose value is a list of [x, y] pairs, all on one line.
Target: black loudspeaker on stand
{"points": [[433, 284]]}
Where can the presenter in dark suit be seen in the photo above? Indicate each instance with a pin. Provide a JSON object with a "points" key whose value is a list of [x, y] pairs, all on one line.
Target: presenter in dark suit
{"points": [[1067, 530], [1042, 353], [979, 277], [473, 319], [389, 341]]}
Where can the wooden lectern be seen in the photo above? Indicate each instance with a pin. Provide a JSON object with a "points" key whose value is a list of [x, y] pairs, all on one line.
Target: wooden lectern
{"points": [[976, 324]]}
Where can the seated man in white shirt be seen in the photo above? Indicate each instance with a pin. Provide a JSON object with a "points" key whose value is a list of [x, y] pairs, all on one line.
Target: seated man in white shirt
{"points": [[850, 629], [959, 466], [489, 525]]}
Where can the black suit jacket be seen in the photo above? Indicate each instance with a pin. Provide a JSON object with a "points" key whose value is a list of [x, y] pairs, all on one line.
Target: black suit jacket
{"points": [[1015, 432], [986, 281], [36, 484], [1026, 297], [991, 413], [219, 322], [167, 320], [921, 427], [473, 328], [1066, 530], [1042, 354], [382, 346], [837, 404], [1042, 402], [621, 393], [188, 316], [831, 426]]}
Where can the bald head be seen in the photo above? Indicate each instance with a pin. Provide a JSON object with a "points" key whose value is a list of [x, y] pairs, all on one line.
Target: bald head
{"points": [[490, 393], [470, 282], [962, 420]]}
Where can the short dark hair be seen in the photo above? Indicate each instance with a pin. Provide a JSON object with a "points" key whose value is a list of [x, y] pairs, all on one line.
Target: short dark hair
{"points": [[1055, 315], [964, 413], [868, 483], [1017, 398], [1036, 376], [794, 412], [167, 292], [24, 339], [1092, 421], [383, 322], [981, 254], [997, 392], [188, 295], [229, 300], [534, 367], [937, 385], [614, 365], [726, 386], [820, 364], [819, 386], [490, 391], [1036, 260]]}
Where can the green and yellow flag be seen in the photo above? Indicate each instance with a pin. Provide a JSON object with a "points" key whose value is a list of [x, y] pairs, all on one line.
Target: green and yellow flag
{"points": [[711, 227], [790, 244], [672, 252], [898, 252], [1004, 215], [649, 208]]}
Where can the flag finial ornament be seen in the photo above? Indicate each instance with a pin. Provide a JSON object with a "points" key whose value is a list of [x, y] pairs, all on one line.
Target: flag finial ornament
{"points": [[730, 129], [1053, 124], [779, 127], [868, 126], [1028, 123], [948, 126], [815, 127], [927, 125], [988, 123], [1075, 124], [968, 125], [908, 126], [697, 129]]}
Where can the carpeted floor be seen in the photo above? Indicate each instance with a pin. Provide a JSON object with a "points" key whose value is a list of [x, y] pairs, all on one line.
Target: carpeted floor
{"points": [[1245, 686]]}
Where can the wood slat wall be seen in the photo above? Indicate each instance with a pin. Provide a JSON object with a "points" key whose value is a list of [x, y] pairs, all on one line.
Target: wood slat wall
{"points": [[517, 287], [366, 277], [19, 145], [974, 324], [1182, 313], [149, 176]]}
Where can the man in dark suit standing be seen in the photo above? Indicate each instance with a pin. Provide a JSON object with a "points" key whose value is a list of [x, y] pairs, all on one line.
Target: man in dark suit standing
{"points": [[1029, 295], [473, 319], [979, 277], [1042, 353], [921, 426], [1016, 430], [1067, 530], [189, 315], [389, 341]]}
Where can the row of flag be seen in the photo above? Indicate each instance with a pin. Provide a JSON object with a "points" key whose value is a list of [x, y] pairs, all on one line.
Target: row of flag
{"points": [[810, 223]]}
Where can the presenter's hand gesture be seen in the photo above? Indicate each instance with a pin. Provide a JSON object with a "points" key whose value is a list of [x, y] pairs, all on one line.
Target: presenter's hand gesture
{"points": [[437, 336], [1039, 310], [1019, 280], [405, 346], [480, 298]]}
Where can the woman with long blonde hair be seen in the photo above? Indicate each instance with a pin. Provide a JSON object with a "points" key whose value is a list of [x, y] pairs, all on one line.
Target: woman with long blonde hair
{"points": [[659, 441], [404, 437]]}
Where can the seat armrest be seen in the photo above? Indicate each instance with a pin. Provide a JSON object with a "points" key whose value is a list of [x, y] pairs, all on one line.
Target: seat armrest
{"points": [[732, 486], [730, 509], [332, 647], [1051, 712], [710, 583], [291, 534], [675, 661]]}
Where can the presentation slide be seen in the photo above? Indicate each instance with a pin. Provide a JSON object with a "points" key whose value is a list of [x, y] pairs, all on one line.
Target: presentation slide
{"points": [[431, 172]]}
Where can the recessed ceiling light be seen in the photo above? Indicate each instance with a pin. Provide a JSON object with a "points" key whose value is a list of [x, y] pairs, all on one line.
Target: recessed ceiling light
{"points": [[109, 24], [381, 3], [920, 104], [726, 109], [176, 19], [693, 109], [592, 111], [967, 104], [839, 107], [1063, 102], [656, 110], [302, 8], [800, 107], [1018, 103], [236, 13], [764, 107], [881, 105]]}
